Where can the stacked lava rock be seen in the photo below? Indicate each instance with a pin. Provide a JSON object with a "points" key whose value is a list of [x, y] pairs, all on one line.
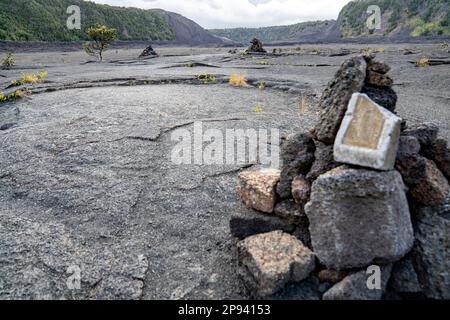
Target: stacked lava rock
{"points": [[148, 53], [256, 47], [346, 199]]}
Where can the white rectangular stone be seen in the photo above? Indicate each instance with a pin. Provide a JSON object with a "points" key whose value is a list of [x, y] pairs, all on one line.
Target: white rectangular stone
{"points": [[368, 136]]}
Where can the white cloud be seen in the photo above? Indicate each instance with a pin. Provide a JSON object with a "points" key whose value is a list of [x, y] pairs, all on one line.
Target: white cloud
{"points": [[243, 13]]}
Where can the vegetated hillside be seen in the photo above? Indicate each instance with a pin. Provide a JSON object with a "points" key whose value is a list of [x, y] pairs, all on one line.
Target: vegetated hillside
{"points": [[45, 20], [316, 30], [400, 18]]}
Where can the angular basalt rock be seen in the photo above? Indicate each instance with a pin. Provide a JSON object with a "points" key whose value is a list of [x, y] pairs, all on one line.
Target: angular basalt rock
{"points": [[368, 136], [404, 277], [358, 217], [256, 47], [431, 255], [267, 262], [378, 66], [297, 156], [249, 223], [290, 211], [257, 189], [433, 188], [408, 145], [426, 133], [348, 80], [306, 290], [412, 167], [378, 80], [354, 287], [148, 53], [295, 146], [301, 190], [295, 215], [323, 161], [385, 97], [410, 163], [440, 154]]}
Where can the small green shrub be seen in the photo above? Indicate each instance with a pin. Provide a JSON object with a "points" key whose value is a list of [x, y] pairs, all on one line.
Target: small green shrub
{"points": [[8, 62], [14, 95], [207, 78], [100, 37]]}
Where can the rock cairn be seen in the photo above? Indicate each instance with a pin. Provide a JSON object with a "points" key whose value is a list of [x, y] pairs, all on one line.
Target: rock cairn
{"points": [[148, 53], [358, 190], [256, 47]]}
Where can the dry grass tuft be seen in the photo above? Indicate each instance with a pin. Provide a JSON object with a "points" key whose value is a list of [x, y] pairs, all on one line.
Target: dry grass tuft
{"points": [[423, 62], [238, 80]]}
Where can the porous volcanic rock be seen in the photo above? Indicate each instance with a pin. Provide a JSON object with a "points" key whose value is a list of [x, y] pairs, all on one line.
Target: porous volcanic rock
{"points": [[378, 80], [290, 211], [439, 152], [297, 156], [431, 254], [354, 287], [324, 161], [358, 217], [404, 277], [385, 97], [301, 190], [148, 53], [256, 47], [426, 133], [248, 223], [378, 66], [269, 261], [433, 188], [257, 189], [348, 80]]}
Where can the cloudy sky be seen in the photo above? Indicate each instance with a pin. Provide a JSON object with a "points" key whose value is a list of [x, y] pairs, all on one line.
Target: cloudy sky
{"points": [[243, 13]]}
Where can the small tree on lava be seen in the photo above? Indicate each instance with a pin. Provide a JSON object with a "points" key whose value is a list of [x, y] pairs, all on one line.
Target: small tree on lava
{"points": [[100, 38]]}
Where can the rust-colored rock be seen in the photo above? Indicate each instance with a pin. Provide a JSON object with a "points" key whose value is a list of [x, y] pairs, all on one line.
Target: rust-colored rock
{"points": [[433, 189], [301, 190], [257, 189], [269, 261], [378, 79], [332, 276]]}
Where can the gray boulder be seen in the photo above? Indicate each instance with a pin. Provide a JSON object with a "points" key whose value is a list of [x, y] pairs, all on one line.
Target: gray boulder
{"points": [[354, 287], [358, 217], [267, 262], [404, 277], [431, 255]]}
